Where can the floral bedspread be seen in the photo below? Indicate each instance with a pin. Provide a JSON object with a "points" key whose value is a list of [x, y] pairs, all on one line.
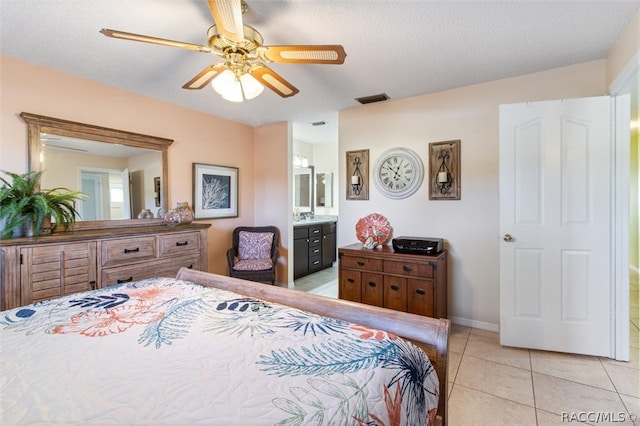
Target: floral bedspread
{"points": [[164, 351]]}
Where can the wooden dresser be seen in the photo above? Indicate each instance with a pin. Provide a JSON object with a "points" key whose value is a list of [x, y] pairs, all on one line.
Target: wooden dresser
{"points": [[404, 282], [34, 269]]}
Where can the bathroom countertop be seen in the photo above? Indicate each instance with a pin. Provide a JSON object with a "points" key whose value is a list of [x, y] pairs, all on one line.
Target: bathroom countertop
{"points": [[318, 219]]}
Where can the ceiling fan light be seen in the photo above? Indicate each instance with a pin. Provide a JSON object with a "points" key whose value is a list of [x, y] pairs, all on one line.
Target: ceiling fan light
{"points": [[227, 86], [250, 86], [234, 94]]}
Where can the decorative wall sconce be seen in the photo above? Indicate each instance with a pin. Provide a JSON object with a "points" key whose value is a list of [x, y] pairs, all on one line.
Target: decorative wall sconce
{"points": [[444, 170], [358, 175]]}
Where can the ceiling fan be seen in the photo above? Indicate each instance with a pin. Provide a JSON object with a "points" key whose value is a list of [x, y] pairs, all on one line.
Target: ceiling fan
{"points": [[242, 75]]}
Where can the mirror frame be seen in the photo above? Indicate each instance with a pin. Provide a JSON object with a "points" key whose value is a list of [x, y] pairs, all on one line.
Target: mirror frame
{"points": [[37, 124]]}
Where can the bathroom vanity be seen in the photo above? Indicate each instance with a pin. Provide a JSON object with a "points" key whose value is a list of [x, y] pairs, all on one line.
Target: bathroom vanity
{"points": [[314, 245]]}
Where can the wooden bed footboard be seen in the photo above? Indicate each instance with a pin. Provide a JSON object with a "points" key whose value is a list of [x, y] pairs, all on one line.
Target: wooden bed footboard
{"points": [[430, 334]]}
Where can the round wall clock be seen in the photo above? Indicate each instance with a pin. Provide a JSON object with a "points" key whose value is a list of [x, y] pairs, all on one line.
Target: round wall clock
{"points": [[398, 173]]}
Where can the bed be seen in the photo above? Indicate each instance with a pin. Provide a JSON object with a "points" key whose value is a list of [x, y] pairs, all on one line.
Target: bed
{"points": [[206, 349]]}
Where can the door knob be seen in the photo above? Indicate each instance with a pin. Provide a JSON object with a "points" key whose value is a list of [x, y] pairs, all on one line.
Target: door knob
{"points": [[508, 238]]}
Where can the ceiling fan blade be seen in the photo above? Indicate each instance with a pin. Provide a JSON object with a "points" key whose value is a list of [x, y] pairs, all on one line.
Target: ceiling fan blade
{"points": [[272, 80], [227, 15], [205, 76], [321, 54], [154, 40]]}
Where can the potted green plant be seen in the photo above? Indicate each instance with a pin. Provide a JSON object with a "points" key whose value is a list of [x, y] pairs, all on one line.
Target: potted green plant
{"points": [[24, 207]]}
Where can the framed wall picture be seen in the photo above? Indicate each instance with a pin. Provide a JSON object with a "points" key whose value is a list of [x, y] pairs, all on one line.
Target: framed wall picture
{"points": [[358, 175], [215, 191], [444, 170]]}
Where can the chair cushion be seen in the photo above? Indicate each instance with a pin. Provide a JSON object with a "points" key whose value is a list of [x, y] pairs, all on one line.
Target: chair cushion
{"points": [[255, 245], [253, 265]]}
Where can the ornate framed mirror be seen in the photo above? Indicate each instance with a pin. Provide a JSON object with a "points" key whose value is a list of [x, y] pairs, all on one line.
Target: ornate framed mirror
{"points": [[121, 172]]}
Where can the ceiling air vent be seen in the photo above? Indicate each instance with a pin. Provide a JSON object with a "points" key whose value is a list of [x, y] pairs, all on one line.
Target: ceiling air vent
{"points": [[318, 123], [373, 98]]}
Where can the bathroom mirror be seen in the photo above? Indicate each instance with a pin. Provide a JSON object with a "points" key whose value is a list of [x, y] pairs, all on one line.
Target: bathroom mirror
{"points": [[324, 189], [303, 188], [121, 172]]}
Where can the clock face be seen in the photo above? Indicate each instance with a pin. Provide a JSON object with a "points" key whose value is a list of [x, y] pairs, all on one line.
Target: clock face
{"points": [[399, 173]]}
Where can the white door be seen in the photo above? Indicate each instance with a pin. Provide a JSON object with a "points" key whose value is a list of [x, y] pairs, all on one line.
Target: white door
{"points": [[90, 208], [555, 219]]}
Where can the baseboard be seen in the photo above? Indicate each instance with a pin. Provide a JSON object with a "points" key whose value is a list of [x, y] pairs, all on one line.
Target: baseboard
{"points": [[489, 326]]}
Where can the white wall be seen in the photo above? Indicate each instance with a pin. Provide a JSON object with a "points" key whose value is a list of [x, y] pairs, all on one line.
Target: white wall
{"points": [[469, 225], [325, 158]]}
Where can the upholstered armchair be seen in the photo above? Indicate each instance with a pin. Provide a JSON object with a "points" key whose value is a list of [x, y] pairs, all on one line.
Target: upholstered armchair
{"points": [[254, 253]]}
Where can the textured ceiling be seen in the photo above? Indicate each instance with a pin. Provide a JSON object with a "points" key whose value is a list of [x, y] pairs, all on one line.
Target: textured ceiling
{"points": [[401, 48]]}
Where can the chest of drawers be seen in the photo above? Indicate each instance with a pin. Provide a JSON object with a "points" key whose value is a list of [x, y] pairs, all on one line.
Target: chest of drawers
{"points": [[32, 270], [403, 282]]}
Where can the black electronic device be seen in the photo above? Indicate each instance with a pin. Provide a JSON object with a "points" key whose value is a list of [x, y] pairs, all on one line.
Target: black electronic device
{"points": [[417, 245]]}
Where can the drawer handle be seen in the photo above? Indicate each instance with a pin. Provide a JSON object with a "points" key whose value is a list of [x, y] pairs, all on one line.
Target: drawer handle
{"points": [[372, 283], [316, 262], [360, 263], [128, 280], [420, 291], [182, 244], [135, 250], [316, 251], [316, 231], [395, 287], [351, 280], [406, 268], [316, 241]]}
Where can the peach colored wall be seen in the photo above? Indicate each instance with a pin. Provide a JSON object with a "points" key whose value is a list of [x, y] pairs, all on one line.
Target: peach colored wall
{"points": [[198, 137], [471, 225], [271, 188], [68, 176]]}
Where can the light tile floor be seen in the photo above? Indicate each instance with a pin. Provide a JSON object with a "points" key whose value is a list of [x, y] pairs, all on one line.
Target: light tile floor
{"points": [[494, 385]]}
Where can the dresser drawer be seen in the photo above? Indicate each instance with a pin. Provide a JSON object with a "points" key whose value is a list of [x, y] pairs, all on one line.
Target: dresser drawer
{"points": [[315, 231], [315, 263], [158, 268], [299, 233], [175, 244], [350, 287], [372, 289], [315, 250], [315, 240], [126, 250], [409, 269], [361, 263]]}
